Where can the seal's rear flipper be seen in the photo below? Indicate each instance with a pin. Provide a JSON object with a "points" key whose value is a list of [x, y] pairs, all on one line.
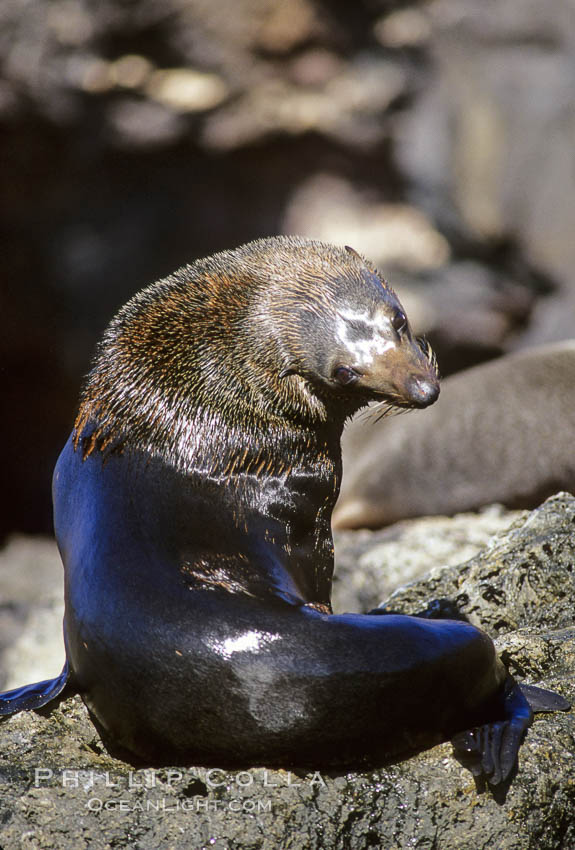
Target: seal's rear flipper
{"points": [[542, 700], [34, 696], [491, 750]]}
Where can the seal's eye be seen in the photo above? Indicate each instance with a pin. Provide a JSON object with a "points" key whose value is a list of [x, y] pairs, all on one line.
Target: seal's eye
{"points": [[399, 322], [345, 375]]}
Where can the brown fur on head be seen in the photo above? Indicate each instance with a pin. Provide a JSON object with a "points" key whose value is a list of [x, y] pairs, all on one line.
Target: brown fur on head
{"points": [[282, 331]]}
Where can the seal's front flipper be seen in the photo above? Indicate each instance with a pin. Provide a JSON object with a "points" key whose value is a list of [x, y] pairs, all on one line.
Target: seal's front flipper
{"points": [[34, 696], [438, 609], [442, 609], [542, 700], [491, 750]]}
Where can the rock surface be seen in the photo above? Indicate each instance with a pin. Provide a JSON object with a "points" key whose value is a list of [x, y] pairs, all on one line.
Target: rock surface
{"points": [[31, 611], [61, 789], [370, 565]]}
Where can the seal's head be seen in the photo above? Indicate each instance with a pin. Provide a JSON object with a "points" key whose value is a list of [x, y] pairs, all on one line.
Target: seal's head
{"points": [[357, 339]]}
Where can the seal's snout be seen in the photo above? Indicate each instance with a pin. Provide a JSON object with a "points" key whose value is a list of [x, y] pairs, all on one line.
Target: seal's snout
{"points": [[422, 391]]}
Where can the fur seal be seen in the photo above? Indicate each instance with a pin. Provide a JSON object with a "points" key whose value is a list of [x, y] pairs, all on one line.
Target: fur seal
{"points": [[501, 432], [192, 509]]}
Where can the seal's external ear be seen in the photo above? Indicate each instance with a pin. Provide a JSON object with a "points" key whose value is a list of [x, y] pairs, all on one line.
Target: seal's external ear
{"points": [[351, 250]]}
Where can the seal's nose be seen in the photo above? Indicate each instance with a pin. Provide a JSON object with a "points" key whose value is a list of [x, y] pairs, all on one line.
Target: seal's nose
{"points": [[422, 391]]}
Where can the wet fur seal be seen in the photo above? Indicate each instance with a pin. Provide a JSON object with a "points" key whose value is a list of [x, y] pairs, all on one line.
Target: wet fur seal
{"points": [[500, 432], [192, 508]]}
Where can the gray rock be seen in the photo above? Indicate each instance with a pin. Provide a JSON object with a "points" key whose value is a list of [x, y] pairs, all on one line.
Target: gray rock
{"points": [[524, 579], [31, 611], [520, 586], [370, 565]]}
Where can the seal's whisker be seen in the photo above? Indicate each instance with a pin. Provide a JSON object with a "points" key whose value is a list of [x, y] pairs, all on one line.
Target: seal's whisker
{"points": [[429, 353]]}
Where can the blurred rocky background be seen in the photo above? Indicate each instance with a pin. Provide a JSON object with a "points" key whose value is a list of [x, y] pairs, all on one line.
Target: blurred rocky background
{"points": [[437, 138]]}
